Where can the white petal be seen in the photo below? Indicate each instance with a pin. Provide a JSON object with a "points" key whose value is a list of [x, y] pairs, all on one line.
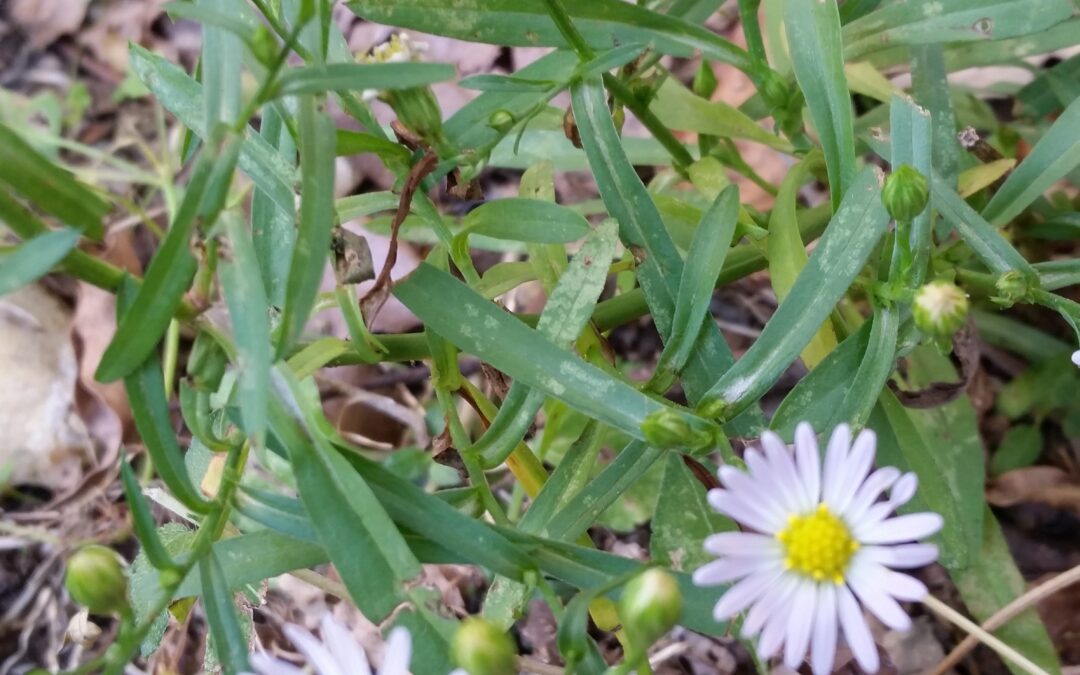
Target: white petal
{"points": [[835, 457], [910, 527], [854, 470], [343, 645], [772, 637], [264, 664], [869, 491], [823, 641], [871, 589], [808, 460], [754, 494], [744, 593], [904, 587], [904, 556], [318, 656], [788, 486], [776, 599], [1076, 358], [800, 622], [742, 544], [727, 569], [398, 652], [739, 508], [856, 632], [904, 489]]}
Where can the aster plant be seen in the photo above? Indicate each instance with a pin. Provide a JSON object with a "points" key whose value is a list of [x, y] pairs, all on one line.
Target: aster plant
{"points": [[879, 254]]}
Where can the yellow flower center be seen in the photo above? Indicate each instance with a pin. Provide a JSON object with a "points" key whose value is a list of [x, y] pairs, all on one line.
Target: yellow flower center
{"points": [[818, 545]]}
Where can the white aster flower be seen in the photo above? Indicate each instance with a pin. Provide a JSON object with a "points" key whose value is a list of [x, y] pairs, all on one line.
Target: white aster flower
{"points": [[819, 546], [337, 653]]}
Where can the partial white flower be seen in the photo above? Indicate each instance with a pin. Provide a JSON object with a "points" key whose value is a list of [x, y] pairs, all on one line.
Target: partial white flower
{"points": [[337, 653], [819, 546], [400, 48], [1076, 358]]}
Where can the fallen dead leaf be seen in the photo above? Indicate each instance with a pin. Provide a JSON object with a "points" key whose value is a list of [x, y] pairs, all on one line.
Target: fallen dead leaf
{"points": [[44, 21], [1045, 485]]}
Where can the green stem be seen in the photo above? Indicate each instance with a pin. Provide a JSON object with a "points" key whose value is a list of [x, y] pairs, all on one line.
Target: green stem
{"points": [[748, 15]]}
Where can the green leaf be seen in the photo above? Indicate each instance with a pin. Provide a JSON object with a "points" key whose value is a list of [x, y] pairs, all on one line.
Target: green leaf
{"points": [[248, 310], [222, 51], [1022, 445], [709, 248], [145, 588], [912, 145], [143, 520], [365, 547], [679, 108], [989, 245], [991, 581], [878, 361], [49, 187], [272, 229], [503, 277], [182, 96], [317, 142], [813, 35], [640, 226], [459, 314], [786, 251], [167, 278], [229, 639], [145, 388], [1055, 155], [360, 76], [531, 220], [683, 519], [912, 22], [431, 634], [35, 258], [526, 23], [840, 255], [566, 313], [932, 91]]}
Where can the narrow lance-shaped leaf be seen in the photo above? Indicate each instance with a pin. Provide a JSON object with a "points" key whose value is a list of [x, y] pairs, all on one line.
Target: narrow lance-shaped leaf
{"points": [[48, 186], [911, 132], [272, 226], [360, 76], [526, 23], [229, 640], [567, 311], [365, 547], [786, 251], [813, 32], [863, 390], [712, 241], [985, 240], [34, 258], [840, 255], [248, 307], [1056, 154], [317, 141], [640, 226], [168, 277], [683, 519], [459, 314], [529, 220], [143, 520], [145, 388]]}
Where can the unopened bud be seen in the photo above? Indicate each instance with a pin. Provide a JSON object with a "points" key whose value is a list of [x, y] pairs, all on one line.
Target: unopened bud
{"points": [[418, 110], [650, 605], [264, 46], [482, 649], [704, 84], [1012, 287], [906, 193], [669, 428], [501, 120], [97, 580], [940, 309]]}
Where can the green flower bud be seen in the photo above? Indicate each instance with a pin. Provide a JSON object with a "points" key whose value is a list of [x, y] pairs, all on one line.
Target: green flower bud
{"points": [[940, 309], [669, 428], [905, 193], [705, 83], [482, 649], [501, 120], [1012, 287], [650, 605], [96, 579], [418, 110], [264, 46]]}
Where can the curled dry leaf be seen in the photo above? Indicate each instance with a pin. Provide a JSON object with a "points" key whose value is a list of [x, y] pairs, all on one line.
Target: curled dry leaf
{"points": [[1045, 485]]}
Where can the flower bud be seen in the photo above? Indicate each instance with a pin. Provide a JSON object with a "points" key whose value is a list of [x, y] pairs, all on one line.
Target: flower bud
{"points": [[650, 605], [668, 428], [940, 309], [482, 649], [96, 579], [264, 46], [418, 110], [704, 84], [905, 193], [1012, 287], [501, 120]]}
